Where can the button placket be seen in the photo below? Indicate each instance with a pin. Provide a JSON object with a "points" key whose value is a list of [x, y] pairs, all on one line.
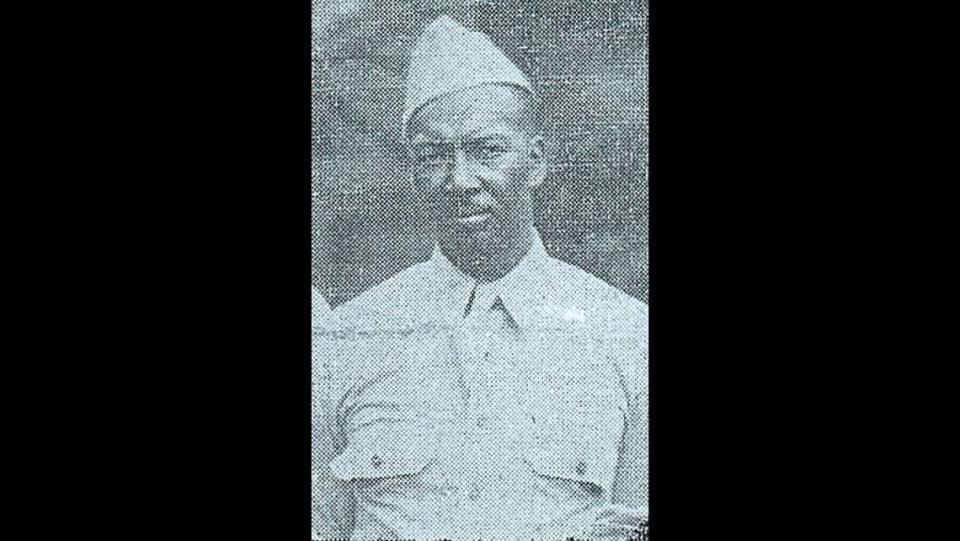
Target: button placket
{"points": [[482, 375], [479, 336]]}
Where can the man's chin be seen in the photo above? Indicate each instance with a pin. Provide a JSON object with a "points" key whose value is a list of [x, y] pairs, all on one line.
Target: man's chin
{"points": [[470, 242], [473, 244], [471, 229]]}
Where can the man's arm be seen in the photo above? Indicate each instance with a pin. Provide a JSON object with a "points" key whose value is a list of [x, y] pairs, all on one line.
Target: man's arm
{"points": [[332, 499], [625, 518], [630, 483]]}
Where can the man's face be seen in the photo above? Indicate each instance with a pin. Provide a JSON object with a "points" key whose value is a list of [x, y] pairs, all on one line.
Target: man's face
{"points": [[475, 163]]}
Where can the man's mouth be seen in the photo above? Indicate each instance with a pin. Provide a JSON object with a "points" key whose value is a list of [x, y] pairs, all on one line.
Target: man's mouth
{"points": [[472, 217]]}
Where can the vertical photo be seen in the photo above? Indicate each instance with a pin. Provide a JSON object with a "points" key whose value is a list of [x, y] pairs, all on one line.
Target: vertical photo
{"points": [[480, 270]]}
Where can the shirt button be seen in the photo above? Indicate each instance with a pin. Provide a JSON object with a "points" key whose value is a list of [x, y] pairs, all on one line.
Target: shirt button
{"points": [[581, 468], [474, 494], [481, 421], [376, 461]]}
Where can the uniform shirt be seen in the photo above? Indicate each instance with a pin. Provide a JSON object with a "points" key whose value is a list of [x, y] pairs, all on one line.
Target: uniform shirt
{"points": [[444, 408]]}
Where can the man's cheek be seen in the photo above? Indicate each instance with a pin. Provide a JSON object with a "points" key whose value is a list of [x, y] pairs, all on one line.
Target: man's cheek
{"points": [[494, 184], [438, 206]]}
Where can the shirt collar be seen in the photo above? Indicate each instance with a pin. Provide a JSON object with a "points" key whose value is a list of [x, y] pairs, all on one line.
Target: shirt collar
{"points": [[521, 290]]}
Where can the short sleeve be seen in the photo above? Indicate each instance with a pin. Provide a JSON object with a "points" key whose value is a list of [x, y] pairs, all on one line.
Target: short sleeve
{"points": [[631, 355]]}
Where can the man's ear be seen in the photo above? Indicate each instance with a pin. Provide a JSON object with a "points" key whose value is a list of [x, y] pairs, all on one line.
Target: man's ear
{"points": [[538, 158]]}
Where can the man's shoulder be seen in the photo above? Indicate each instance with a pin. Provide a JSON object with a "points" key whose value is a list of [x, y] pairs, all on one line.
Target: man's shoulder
{"points": [[583, 294], [361, 335], [609, 322], [391, 303]]}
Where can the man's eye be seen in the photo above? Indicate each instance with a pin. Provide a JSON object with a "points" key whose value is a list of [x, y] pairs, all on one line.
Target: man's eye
{"points": [[431, 157], [490, 151]]}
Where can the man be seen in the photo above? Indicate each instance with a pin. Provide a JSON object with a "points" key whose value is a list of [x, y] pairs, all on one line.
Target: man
{"points": [[492, 392]]}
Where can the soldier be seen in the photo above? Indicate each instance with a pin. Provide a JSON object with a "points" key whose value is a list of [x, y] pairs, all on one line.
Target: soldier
{"points": [[492, 392]]}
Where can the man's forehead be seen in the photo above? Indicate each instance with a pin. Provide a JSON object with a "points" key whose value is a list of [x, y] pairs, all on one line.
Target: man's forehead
{"points": [[488, 109], [448, 132]]}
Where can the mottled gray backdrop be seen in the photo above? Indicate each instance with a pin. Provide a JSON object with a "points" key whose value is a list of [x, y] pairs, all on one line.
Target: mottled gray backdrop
{"points": [[587, 59]]}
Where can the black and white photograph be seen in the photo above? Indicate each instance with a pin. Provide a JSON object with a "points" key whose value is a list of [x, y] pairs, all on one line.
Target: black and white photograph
{"points": [[480, 282]]}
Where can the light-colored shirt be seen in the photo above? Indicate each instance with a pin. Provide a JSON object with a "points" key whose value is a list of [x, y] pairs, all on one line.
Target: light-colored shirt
{"points": [[447, 408]]}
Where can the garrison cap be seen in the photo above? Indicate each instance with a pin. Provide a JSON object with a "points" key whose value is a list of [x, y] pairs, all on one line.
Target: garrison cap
{"points": [[448, 58]]}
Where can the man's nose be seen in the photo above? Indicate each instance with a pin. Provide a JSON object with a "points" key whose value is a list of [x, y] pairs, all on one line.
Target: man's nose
{"points": [[460, 172]]}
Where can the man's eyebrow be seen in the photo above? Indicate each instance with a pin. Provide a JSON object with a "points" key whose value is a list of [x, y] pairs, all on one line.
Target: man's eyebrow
{"points": [[494, 131], [491, 130], [486, 137], [421, 140]]}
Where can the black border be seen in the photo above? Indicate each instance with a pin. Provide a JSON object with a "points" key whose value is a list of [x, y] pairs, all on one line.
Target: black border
{"points": [[736, 251], [210, 285], [202, 263]]}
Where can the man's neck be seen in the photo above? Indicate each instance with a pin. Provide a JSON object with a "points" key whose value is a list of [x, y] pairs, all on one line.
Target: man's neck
{"points": [[492, 264]]}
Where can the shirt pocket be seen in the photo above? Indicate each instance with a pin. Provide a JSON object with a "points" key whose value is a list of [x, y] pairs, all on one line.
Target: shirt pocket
{"points": [[573, 443]]}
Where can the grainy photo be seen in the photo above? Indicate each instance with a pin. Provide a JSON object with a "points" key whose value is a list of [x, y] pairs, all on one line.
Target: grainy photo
{"points": [[480, 277]]}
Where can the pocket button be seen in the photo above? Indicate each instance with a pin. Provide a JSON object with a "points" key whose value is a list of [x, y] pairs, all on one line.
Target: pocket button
{"points": [[376, 461], [581, 468]]}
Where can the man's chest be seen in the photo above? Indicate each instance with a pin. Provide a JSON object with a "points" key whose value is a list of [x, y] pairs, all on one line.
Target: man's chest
{"points": [[546, 404]]}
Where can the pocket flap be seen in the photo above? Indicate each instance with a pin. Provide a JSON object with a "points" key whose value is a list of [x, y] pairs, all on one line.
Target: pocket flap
{"points": [[584, 465], [384, 459]]}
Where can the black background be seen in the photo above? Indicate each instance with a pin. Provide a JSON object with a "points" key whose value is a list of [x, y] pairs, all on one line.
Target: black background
{"points": [[186, 286]]}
